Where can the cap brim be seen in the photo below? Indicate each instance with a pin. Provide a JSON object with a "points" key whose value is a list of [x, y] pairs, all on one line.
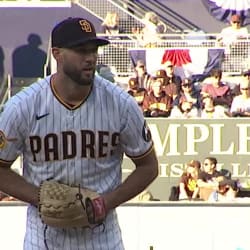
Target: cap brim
{"points": [[96, 41]]}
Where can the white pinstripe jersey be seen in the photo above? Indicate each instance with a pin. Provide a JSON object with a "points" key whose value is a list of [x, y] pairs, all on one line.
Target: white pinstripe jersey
{"points": [[82, 146]]}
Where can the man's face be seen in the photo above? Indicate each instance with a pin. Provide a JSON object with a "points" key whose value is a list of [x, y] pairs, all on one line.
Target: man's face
{"points": [[157, 87], [141, 69], [79, 63], [208, 166], [236, 24], [169, 69]]}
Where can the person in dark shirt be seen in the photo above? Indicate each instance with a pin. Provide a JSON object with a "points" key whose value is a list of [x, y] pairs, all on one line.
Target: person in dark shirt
{"points": [[157, 103], [212, 182], [135, 91], [171, 76]]}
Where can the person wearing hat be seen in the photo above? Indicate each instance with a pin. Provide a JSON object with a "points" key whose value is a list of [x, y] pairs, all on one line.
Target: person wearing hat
{"points": [[169, 87], [143, 77], [172, 77], [157, 103], [135, 91], [73, 128]]}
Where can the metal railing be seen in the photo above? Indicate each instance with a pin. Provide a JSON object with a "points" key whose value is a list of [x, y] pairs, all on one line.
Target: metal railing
{"points": [[100, 8], [236, 58], [5, 91]]}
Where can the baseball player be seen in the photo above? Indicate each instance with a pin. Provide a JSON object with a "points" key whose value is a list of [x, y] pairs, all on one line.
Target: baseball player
{"points": [[74, 127]]}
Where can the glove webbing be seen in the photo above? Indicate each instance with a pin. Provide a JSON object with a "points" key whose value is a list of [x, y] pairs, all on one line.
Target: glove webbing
{"points": [[80, 198]]}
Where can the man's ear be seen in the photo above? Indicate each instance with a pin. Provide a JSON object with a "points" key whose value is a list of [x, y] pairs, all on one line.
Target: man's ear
{"points": [[55, 52]]}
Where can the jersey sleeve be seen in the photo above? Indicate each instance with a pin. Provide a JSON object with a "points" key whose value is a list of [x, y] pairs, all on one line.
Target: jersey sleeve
{"points": [[135, 136], [10, 134]]}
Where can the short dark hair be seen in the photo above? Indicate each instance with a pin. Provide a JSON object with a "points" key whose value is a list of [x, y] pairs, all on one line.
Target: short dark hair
{"points": [[213, 160], [216, 73]]}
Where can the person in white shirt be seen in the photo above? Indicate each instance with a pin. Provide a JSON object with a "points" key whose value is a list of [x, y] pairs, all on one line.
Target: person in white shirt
{"points": [[210, 110], [233, 33], [241, 103]]}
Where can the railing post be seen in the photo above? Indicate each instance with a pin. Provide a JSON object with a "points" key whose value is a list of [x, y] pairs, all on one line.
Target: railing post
{"points": [[9, 85]]}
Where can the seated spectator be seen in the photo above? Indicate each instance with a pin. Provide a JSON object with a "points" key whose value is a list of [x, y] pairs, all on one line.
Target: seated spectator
{"points": [[157, 103], [171, 76], [241, 104], [111, 25], [189, 93], [137, 92], [220, 91], [185, 109], [209, 110], [213, 184], [142, 75], [169, 87], [188, 188], [246, 74], [148, 35]]}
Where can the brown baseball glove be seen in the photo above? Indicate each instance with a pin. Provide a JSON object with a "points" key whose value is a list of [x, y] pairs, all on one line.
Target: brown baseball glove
{"points": [[64, 206]]}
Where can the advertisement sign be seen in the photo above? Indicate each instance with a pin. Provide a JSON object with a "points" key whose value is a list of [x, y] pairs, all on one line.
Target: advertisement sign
{"points": [[177, 141]]}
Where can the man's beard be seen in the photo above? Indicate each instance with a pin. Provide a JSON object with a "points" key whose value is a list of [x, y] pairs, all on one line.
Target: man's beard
{"points": [[78, 77]]}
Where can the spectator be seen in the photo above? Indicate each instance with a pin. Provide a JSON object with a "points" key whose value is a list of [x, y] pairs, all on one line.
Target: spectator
{"points": [[213, 184], [152, 27], [220, 91], [111, 25], [157, 103], [171, 76], [246, 74], [241, 103], [233, 33], [209, 110], [142, 75], [135, 91], [169, 87], [188, 182], [189, 93], [233, 37], [185, 109]]}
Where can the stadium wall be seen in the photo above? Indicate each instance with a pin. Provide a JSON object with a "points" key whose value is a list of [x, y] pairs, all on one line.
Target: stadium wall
{"points": [[16, 24], [157, 226]]}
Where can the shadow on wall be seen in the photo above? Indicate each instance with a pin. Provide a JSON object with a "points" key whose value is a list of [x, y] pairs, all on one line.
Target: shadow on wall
{"points": [[28, 60]]}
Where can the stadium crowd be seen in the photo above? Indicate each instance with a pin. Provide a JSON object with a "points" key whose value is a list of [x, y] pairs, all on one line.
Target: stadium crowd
{"points": [[165, 94]]}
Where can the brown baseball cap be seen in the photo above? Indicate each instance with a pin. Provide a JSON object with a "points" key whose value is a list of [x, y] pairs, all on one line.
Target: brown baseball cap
{"points": [[73, 32]]}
